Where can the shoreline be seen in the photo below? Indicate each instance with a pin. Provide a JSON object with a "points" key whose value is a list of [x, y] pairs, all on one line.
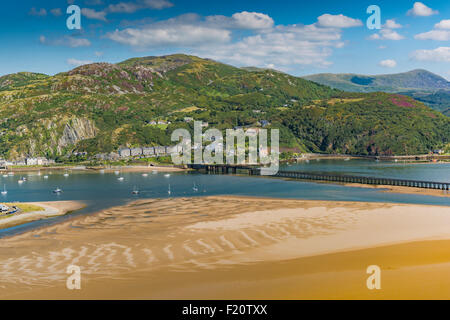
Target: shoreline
{"points": [[228, 247], [51, 209], [128, 168], [403, 190]]}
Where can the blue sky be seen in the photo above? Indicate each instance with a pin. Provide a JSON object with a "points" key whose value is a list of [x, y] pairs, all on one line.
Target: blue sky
{"points": [[299, 37]]}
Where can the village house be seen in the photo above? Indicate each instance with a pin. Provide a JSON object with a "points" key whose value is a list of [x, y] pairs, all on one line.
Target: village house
{"points": [[124, 152], [135, 152], [148, 151]]}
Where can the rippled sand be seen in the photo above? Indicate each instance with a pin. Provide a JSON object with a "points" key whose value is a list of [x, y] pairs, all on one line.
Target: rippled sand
{"points": [[233, 247]]}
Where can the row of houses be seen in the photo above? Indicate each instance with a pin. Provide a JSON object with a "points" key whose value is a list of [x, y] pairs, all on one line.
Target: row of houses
{"points": [[39, 161], [140, 152]]}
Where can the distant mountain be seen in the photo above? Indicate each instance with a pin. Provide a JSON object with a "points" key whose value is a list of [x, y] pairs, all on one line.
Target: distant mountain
{"points": [[100, 107], [420, 84]]}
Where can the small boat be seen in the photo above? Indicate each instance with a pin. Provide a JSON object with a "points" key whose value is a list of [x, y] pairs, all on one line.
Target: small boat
{"points": [[135, 191], [20, 181], [102, 171], [45, 177], [167, 175], [5, 176], [57, 190], [347, 159], [121, 178], [155, 171], [195, 188], [4, 192], [66, 174], [169, 192], [116, 172], [145, 174], [10, 173], [39, 173]]}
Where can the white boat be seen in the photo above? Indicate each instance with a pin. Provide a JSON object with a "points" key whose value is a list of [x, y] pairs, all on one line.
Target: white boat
{"points": [[169, 192], [145, 174], [120, 178], [45, 177], [347, 159], [102, 171], [155, 171], [4, 192], [167, 175], [20, 181], [57, 190], [116, 172], [66, 174], [10, 173], [135, 191], [5, 176], [195, 188]]}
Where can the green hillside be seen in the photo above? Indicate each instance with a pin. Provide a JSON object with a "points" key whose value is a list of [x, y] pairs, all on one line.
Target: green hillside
{"points": [[422, 85], [100, 107]]}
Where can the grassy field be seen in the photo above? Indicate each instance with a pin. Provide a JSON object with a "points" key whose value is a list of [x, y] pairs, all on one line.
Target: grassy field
{"points": [[24, 208]]}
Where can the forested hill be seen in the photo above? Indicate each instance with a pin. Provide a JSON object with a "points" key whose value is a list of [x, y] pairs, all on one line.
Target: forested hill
{"points": [[420, 84], [100, 107]]}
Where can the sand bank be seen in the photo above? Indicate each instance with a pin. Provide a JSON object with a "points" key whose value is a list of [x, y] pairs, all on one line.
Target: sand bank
{"points": [[50, 209], [407, 190], [233, 248]]}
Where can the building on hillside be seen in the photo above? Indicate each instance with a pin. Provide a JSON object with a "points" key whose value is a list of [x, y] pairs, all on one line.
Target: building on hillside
{"points": [[148, 151], [124, 152], [136, 152], [161, 151], [31, 161]]}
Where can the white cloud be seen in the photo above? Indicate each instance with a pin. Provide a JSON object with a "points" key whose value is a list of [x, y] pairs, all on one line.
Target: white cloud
{"points": [[77, 63], [56, 12], [391, 24], [441, 54], [389, 63], [387, 34], [212, 37], [66, 41], [421, 10], [337, 21], [252, 20], [439, 35], [38, 13], [241, 20], [443, 24], [176, 32], [92, 14], [284, 46]]}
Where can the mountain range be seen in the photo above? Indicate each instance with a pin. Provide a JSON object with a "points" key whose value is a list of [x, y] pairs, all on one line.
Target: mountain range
{"points": [[420, 84], [100, 107]]}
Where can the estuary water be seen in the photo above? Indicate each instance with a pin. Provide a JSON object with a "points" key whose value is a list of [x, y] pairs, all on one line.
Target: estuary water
{"points": [[104, 190]]}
